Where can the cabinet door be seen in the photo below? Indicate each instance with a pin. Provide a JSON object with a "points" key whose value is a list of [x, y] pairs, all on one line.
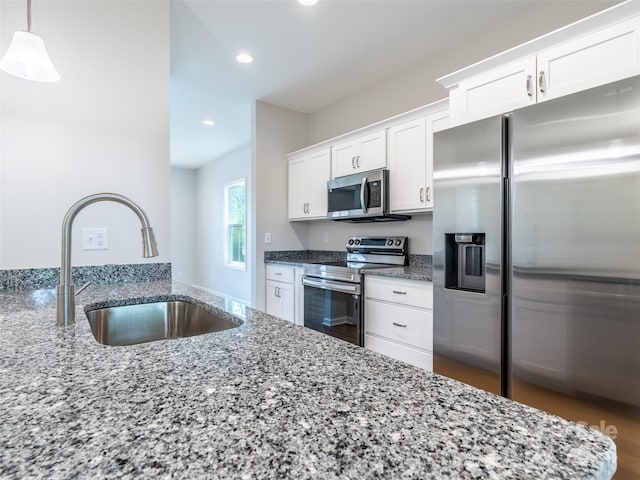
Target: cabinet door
{"points": [[344, 159], [274, 303], [318, 173], [372, 152], [287, 302], [280, 300], [297, 188], [435, 122], [408, 165], [494, 92], [601, 57]]}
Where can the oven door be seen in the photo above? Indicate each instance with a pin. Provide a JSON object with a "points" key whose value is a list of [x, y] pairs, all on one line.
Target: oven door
{"points": [[334, 308]]}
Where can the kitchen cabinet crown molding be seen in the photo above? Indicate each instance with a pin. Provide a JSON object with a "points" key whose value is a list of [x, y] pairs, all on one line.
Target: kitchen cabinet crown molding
{"points": [[432, 107], [599, 20]]}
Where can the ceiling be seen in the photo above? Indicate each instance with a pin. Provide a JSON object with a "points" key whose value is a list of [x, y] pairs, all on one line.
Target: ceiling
{"points": [[305, 57]]}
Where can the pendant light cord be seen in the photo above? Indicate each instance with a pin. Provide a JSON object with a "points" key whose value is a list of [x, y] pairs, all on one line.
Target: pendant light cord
{"points": [[28, 15]]}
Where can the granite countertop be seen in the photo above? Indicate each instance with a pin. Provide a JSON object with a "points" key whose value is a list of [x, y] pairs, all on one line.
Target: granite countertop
{"points": [[407, 272], [267, 399], [422, 270]]}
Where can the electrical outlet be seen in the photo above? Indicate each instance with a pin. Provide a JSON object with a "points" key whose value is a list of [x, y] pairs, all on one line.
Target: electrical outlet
{"points": [[267, 238], [95, 239]]}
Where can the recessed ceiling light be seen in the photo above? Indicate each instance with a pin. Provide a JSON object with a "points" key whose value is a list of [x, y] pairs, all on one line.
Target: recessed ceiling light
{"points": [[307, 3], [208, 123], [244, 57]]}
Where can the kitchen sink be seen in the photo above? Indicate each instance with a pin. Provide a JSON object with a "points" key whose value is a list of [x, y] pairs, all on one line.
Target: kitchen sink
{"points": [[148, 322]]}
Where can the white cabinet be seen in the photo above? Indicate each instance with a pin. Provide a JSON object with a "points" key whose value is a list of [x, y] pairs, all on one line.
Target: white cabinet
{"points": [[587, 60], [410, 153], [360, 154], [601, 57], [494, 92], [399, 319], [281, 292], [308, 176]]}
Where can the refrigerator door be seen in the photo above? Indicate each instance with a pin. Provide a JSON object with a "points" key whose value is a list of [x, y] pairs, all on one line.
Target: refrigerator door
{"points": [[467, 253], [575, 280]]}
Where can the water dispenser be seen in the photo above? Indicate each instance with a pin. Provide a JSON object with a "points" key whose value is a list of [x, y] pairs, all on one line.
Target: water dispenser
{"points": [[465, 262]]}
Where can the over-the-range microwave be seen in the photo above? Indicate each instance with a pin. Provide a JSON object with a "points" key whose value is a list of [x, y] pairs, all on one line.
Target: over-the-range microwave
{"points": [[362, 197]]}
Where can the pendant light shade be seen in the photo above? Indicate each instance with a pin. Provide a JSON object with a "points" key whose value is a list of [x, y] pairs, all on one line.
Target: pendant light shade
{"points": [[27, 56]]}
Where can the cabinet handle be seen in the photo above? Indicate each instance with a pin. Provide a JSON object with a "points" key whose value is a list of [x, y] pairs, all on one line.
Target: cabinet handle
{"points": [[278, 292], [308, 209], [400, 325], [399, 292], [358, 161], [529, 86], [278, 273], [353, 162], [541, 82], [428, 194], [421, 194]]}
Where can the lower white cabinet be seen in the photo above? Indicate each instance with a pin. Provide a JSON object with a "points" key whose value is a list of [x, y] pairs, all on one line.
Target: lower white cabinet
{"points": [[399, 319], [284, 292]]}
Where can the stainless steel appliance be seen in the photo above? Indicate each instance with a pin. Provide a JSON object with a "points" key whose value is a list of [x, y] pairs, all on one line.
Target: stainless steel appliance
{"points": [[333, 292], [363, 197], [553, 192]]}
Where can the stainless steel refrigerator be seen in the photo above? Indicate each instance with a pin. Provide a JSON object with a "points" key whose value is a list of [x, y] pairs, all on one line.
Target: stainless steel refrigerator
{"points": [[536, 264]]}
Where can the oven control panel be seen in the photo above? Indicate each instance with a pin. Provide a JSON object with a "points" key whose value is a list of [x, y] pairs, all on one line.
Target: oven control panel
{"points": [[379, 244]]}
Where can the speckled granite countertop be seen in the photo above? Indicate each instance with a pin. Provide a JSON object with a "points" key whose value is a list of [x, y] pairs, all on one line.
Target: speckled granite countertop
{"points": [[408, 273], [265, 400], [420, 267]]}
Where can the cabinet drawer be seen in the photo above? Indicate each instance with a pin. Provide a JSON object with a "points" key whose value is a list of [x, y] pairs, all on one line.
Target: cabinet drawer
{"points": [[400, 352], [406, 292], [407, 325], [280, 273]]}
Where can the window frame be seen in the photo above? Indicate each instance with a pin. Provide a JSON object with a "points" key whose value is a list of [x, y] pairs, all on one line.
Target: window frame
{"points": [[228, 226]]}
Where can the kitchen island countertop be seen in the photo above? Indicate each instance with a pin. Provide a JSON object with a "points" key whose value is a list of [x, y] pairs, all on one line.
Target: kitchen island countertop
{"points": [[267, 399]]}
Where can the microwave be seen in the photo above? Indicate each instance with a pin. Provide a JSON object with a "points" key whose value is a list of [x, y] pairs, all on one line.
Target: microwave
{"points": [[363, 197]]}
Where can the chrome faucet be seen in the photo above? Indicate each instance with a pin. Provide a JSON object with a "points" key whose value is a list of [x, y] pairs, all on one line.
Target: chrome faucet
{"points": [[66, 305]]}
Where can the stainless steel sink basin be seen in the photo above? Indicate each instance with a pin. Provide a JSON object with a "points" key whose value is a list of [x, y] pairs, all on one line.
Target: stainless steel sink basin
{"points": [[148, 322]]}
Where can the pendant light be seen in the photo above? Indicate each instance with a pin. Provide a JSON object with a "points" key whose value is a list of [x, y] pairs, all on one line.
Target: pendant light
{"points": [[27, 56]]}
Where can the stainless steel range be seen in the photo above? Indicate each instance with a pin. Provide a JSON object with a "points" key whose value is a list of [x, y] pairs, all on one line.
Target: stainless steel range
{"points": [[333, 292]]}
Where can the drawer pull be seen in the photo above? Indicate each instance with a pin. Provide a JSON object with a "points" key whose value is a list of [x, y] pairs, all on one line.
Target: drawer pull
{"points": [[399, 325], [399, 292], [278, 273]]}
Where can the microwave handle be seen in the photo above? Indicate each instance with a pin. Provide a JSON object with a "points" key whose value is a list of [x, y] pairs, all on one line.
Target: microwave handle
{"points": [[363, 190]]}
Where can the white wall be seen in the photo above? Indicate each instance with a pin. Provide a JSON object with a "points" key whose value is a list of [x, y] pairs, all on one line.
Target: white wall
{"points": [[211, 270], [103, 127], [278, 131], [183, 224]]}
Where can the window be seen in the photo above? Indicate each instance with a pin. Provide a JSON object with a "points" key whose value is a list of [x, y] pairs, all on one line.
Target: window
{"points": [[235, 207]]}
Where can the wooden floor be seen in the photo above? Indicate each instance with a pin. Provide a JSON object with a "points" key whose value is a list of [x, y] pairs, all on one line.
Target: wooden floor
{"points": [[613, 419]]}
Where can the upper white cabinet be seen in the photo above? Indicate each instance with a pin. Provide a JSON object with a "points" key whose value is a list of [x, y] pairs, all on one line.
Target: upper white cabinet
{"points": [[600, 49], [410, 154], [408, 165], [604, 56], [494, 92], [308, 176], [360, 154]]}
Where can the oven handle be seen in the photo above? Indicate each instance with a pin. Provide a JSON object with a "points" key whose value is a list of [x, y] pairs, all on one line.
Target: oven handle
{"points": [[328, 285]]}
